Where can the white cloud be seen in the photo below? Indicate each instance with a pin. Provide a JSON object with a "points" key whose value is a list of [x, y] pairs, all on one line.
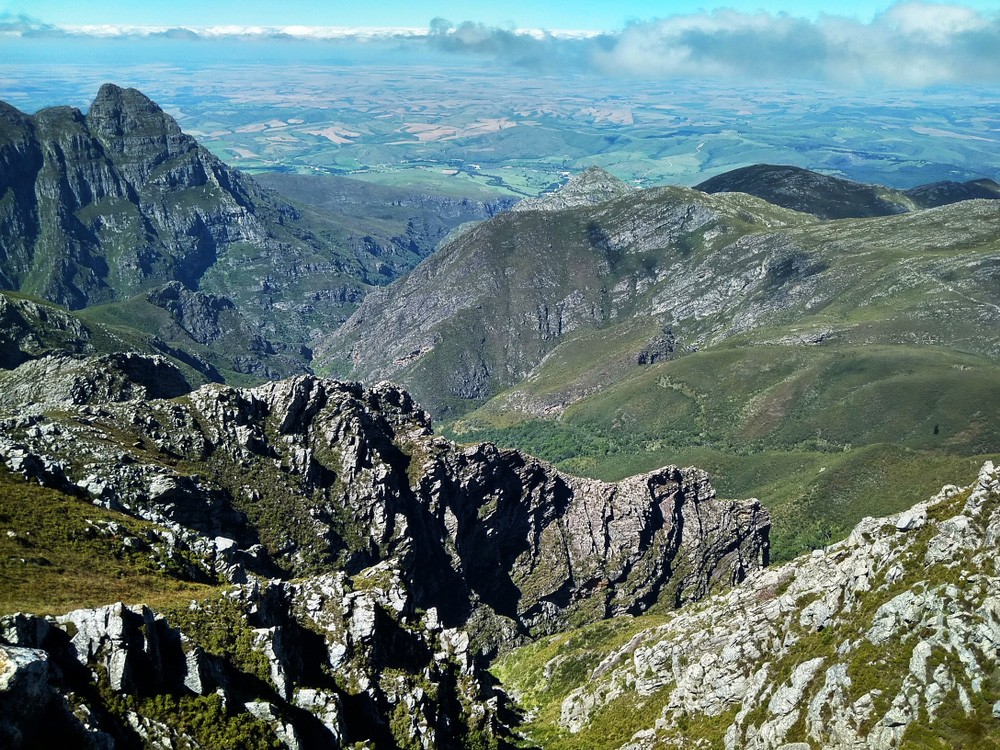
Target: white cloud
{"points": [[913, 43]]}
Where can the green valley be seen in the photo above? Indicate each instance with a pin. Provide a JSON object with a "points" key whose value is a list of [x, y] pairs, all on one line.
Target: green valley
{"points": [[820, 365]]}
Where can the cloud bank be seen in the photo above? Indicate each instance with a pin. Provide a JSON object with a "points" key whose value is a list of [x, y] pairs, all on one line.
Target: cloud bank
{"points": [[913, 43]]}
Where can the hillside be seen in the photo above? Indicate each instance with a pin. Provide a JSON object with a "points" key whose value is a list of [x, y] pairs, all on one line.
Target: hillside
{"points": [[394, 226], [836, 198], [306, 564], [109, 207], [481, 313], [352, 572], [887, 639], [799, 360]]}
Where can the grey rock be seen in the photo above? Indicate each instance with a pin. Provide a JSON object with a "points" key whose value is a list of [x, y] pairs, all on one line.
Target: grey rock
{"points": [[912, 519], [326, 707], [25, 693], [591, 187], [724, 654]]}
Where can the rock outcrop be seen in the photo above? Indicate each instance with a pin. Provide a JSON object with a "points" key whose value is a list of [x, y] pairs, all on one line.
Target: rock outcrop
{"points": [[327, 473], [318, 663], [373, 565], [886, 638], [591, 187]]}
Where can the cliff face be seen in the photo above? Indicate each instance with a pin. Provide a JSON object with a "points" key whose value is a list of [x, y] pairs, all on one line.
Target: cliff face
{"points": [[96, 208], [355, 539], [887, 639], [104, 204], [327, 474]]}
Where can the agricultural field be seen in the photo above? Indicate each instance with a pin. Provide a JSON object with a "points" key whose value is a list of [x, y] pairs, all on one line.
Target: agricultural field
{"points": [[477, 131]]}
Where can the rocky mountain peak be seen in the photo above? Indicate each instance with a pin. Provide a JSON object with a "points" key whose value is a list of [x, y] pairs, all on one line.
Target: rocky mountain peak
{"points": [[13, 115], [357, 478], [591, 187], [353, 537], [132, 127], [117, 111]]}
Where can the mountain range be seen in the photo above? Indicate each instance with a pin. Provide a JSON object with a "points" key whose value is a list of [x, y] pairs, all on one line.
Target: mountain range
{"points": [[108, 207], [798, 358], [208, 545]]}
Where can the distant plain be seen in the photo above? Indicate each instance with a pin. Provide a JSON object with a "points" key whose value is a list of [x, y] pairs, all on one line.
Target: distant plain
{"points": [[476, 131]]}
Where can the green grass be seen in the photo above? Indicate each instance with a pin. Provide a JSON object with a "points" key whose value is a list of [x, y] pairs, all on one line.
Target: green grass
{"points": [[548, 670], [823, 435], [66, 554]]}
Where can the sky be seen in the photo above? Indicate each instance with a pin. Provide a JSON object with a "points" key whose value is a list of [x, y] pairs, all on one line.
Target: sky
{"points": [[595, 15], [907, 43]]}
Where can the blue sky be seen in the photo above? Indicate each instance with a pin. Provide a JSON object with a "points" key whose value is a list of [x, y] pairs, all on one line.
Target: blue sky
{"points": [[597, 15], [907, 43]]}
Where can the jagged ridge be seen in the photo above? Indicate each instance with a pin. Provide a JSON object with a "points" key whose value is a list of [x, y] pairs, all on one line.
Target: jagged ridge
{"points": [[395, 558]]}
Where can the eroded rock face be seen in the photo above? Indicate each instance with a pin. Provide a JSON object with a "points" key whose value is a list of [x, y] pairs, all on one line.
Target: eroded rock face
{"points": [[329, 474], [879, 638], [108, 200], [324, 662], [24, 692], [589, 188], [481, 314], [374, 564]]}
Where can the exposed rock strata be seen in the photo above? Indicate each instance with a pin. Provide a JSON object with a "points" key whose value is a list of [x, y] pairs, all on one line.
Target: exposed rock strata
{"points": [[327, 473], [106, 201], [373, 564], [484, 311], [885, 637]]}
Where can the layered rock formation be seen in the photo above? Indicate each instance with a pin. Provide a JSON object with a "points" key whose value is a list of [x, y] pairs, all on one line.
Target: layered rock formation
{"points": [[558, 279], [103, 206], [105, 202], [887, 639], [326, 473], [375, 565]]}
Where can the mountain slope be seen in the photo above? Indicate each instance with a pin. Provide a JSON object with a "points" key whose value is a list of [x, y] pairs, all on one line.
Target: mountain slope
{"points": [[102, 207], [373, 567], [836, 198], [99, 206], [884, 640], [800, 360], [347, 478], [389, 229], [483, 311]]}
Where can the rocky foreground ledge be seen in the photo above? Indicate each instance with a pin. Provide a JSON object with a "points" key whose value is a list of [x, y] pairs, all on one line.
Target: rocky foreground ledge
{"points": [[890, 638], [372, 568]]}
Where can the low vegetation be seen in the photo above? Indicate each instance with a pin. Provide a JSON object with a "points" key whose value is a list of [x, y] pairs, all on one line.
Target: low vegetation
{"points": [[59, 553], [824, 435]]}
